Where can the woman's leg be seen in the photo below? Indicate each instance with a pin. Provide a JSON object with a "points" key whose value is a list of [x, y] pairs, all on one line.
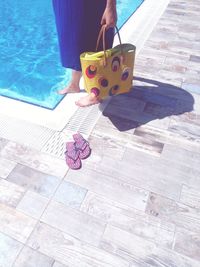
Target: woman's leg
{"points": [[69, 22], [73, 86]]}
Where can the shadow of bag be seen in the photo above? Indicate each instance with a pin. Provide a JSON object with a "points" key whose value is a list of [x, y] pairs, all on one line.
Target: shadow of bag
{"points": [[108, 72]]}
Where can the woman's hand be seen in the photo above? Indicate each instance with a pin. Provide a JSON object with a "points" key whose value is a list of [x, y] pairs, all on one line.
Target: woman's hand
{"points": [[109, 18]]}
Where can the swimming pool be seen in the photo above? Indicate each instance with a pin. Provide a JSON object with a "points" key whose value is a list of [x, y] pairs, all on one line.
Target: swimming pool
{"points": [[30, 67]]}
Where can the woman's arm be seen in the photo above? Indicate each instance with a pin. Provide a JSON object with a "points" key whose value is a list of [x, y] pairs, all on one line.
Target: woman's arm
{"points": [[110, 14], [111, 3]]}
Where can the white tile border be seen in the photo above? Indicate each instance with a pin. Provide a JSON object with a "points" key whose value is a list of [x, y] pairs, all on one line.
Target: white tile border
{"points": [[136, 30], [53, 119]]}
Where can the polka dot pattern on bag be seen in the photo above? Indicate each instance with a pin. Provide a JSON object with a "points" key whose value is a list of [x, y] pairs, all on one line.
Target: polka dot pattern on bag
{"points": [[91, 71]]}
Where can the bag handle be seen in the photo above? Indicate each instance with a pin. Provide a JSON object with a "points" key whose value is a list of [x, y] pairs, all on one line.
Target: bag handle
{"points": [[103, 33]]}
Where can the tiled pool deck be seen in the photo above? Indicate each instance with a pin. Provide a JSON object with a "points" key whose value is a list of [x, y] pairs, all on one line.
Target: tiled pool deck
{"points": [[136, 200]]}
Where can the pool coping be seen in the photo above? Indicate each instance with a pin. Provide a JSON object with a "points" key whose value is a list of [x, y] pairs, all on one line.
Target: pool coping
{"points": [[136, 30]]}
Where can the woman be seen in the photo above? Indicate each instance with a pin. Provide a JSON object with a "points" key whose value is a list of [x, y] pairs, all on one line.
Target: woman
{"points": [[78, 24]]}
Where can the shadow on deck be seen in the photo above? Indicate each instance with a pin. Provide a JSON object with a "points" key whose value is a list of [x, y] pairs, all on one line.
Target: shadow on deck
{"points": [[150, 100]]}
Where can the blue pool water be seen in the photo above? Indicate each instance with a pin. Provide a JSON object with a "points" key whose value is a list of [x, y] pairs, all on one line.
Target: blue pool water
{"points": [[30, 67]]}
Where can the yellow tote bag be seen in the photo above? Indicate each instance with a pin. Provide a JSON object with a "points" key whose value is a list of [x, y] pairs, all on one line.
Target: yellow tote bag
{"points": [[108, 72]]}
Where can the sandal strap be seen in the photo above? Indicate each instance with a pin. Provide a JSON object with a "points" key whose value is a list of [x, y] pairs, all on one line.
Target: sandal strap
{"points": [[81, 145], [71, 151]]}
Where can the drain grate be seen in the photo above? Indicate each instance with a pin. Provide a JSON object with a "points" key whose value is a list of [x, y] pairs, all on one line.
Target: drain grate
{"points": [[83, 121], [23, 132], [55, 145], [48, 140]]}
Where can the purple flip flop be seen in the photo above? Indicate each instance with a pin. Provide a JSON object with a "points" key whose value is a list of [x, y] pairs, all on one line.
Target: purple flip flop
{"points": [[72, 156], [82, 145]]}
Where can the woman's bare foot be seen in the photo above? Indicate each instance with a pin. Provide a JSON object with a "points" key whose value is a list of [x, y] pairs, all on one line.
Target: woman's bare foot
{"points": [[71, 88], [87, 101]]}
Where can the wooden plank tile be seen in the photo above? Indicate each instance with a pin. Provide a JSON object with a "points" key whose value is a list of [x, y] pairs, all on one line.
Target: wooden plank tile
{"points": [[34, 180], [71, 251], [187, 130], [31, 258], [135, 263], [115, 122], [165, 167], [193, 102], [6, 166], [9, 249], [10, 194], [106, 146], [123, 243], [146, 145], [32, 204], [3, 143], [190, 196], [125, 138], [105, 121], [189, 116], [110, 187], [167, 137], [159, 123], [74, 222], [174, 212], [15, 224], [191, 87], [129, 219], [158, 110], [187, 243], [70, 194], [136, 171], [124, 107], [40, 161], [57, 264], [180, 154]]}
